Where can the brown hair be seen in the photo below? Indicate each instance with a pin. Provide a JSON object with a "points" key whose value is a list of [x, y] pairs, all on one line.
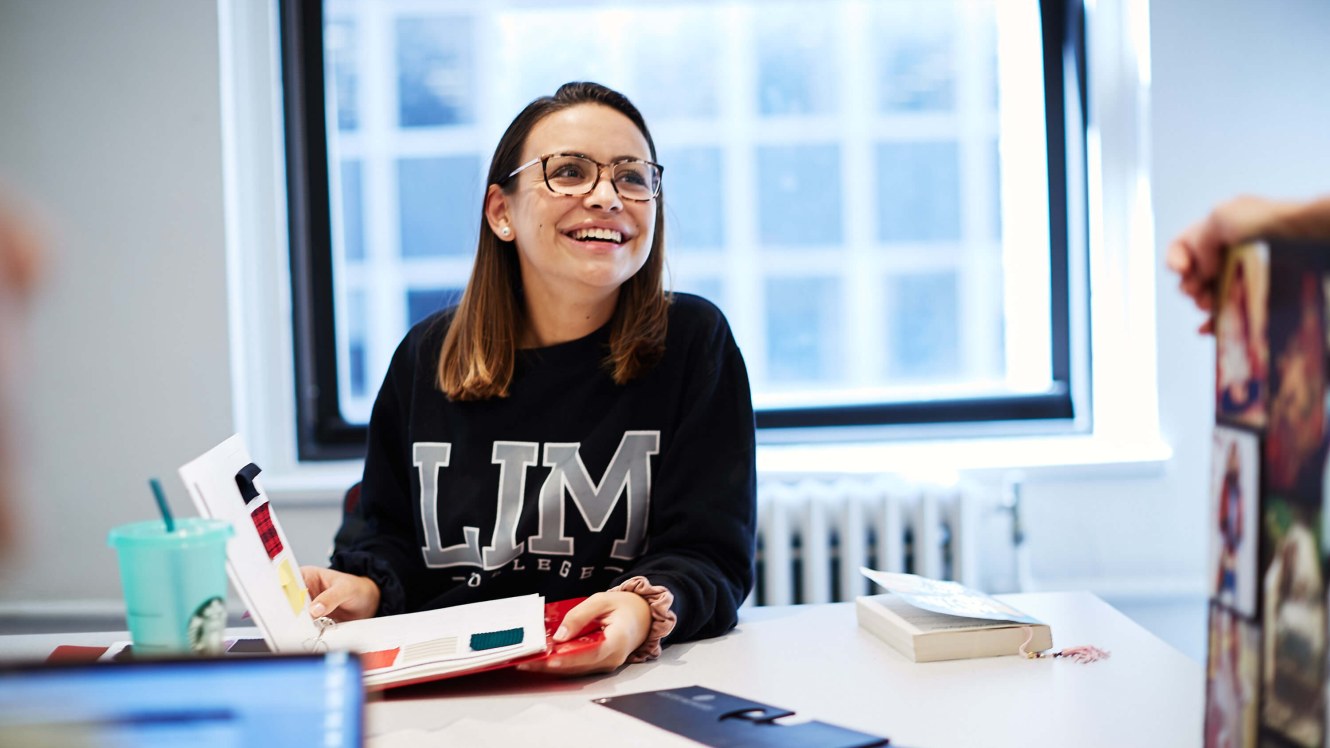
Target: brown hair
{"points": [[476, 361]]}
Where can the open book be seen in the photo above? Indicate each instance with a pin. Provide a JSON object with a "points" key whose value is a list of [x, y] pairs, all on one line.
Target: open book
{"points": [[928, 619], [395, 650]]}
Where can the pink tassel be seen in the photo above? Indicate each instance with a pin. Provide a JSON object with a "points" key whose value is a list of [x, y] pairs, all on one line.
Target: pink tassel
{"points": [[1083, 654]]}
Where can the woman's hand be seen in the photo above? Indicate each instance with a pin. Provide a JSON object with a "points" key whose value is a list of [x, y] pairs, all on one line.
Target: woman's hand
{"points": [[340, 596], [626, 618]]}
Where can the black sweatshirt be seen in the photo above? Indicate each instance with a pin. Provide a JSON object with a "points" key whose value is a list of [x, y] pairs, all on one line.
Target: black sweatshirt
{"points": [[569, 485]]}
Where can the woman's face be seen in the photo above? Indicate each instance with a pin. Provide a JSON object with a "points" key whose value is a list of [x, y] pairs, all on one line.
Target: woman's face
{"points": [[562, 259]]}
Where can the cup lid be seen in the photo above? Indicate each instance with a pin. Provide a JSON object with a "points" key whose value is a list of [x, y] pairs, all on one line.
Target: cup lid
{"points": [[188, 531]]}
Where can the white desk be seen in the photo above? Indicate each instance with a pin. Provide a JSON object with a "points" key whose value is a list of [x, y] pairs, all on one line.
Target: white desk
{"points": [[815, 661]]}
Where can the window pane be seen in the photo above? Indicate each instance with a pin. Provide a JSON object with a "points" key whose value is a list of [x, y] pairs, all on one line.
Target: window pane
{"points": [[918, 192], [677, 61], [434, 71], [356, 344], [711, 289], [799, 195], [341, 39], [537, 55], [439, 209], [915, 45], [422, 303], [925, 328], [796, 61], [352, 217], [803, 337], [694, 198]]}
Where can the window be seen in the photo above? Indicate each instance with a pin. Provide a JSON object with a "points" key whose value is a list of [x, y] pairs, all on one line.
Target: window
{"points": [[875, 192]]}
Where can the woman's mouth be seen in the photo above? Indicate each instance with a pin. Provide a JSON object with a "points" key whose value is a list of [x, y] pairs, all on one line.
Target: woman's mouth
{"points": [[608, 236]]}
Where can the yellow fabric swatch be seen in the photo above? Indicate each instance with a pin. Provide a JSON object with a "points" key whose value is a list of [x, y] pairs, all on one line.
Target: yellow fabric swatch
{"points": [[295, 592]]}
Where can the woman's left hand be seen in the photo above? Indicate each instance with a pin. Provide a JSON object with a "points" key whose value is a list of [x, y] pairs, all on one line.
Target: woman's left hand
{"points": [[626, 619]]}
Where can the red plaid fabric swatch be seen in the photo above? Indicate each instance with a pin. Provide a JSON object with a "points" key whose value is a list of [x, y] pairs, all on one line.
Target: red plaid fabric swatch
{"points": [[267, 533]]}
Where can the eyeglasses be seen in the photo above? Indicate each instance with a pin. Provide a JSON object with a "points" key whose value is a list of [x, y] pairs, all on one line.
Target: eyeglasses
{"points": [[570, 174]]}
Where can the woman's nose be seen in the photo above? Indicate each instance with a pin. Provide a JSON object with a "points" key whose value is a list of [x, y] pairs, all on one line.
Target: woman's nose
{"points": [[603, 196]]}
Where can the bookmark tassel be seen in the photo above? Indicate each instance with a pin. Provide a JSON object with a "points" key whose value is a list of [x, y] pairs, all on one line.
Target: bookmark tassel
{"points": [[1083, 654]]}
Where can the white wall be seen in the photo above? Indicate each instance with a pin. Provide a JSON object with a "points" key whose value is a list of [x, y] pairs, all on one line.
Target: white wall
{"points": [[1239, 103], [109, 118]]}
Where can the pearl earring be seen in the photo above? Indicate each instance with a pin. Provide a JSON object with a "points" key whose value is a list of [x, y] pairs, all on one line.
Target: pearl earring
{"points": [[504, 231]]}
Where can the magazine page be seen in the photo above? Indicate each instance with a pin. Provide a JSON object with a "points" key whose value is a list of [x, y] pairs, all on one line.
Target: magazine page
{"points": [[951, 598]]}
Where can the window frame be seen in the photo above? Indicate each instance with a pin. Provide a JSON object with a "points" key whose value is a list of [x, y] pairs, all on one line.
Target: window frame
{"points": [[321, 431], [322, 434]]}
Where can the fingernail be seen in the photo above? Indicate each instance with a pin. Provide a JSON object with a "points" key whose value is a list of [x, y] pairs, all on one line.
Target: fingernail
{"points": [[561, 634], [554, 664], [318, 609]]}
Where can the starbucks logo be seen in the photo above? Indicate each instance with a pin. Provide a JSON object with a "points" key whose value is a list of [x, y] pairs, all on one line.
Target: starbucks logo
{"points": [[207, 626]]}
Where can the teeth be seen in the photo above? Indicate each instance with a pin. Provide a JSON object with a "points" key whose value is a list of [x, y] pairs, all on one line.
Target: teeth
{"points": [[605, 234]]}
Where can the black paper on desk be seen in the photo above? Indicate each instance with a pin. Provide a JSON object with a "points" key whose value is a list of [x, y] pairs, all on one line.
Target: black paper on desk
{"points": [[721, 720]]}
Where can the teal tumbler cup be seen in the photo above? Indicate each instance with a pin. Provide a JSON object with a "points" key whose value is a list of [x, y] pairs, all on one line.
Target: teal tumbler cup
{"points": [[174, 584]]}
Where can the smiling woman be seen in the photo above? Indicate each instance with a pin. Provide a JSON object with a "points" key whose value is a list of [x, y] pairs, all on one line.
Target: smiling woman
{"points": [[569, 285], [568, 366], [578, 239]]}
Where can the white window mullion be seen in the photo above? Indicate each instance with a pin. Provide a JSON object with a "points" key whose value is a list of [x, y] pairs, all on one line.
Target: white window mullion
{"points": [[976, 292], [862, 311], [385, 302], [744, 265], [1024, 191]]}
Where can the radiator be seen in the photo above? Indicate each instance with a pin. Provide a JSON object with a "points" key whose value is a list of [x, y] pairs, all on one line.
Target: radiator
{"points": [[814, 534]]}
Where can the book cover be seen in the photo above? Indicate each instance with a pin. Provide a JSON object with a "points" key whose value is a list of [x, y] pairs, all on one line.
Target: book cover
{"points": [[929, 620], [396, 650]]}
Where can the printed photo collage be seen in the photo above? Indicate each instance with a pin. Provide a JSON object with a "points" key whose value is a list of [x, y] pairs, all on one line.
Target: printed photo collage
{"points": [[1268, 628]]}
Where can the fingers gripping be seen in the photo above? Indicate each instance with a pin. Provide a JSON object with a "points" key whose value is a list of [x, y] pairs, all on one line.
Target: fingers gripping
{"points": [[581, 617]]}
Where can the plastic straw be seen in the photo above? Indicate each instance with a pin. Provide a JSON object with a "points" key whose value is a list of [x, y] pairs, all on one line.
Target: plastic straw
{"points": [[160, 496]]}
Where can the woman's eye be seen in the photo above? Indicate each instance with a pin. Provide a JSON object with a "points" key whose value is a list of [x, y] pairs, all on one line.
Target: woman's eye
{"points": [[567, 171], [632, 176]]}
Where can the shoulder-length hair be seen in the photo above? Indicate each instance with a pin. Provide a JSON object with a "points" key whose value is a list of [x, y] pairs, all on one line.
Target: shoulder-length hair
{"points": [[476, 361]]}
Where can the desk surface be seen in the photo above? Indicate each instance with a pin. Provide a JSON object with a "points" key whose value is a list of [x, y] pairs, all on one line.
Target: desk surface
{"points": [[816, 661]]}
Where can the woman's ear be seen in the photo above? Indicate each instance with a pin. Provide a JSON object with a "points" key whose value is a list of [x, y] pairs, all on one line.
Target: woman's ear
{"points": [[496, 213]]}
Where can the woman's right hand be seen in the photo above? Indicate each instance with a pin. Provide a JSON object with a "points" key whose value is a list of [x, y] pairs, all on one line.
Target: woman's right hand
{"points": [[338, 595]]}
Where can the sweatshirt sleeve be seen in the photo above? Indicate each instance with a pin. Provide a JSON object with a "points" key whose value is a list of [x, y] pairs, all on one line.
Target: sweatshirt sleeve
{"points": [[385, 548], [701, 541]]}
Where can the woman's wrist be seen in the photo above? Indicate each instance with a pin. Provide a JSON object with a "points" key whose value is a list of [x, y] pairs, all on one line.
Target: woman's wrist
{"points": [[658, 599], [390, 595]]}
